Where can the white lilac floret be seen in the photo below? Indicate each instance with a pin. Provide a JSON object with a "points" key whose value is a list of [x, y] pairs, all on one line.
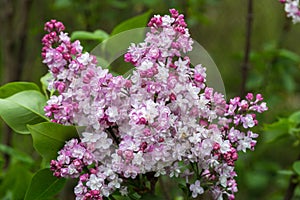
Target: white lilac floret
{"points": [[162, 120], [292, 9]]}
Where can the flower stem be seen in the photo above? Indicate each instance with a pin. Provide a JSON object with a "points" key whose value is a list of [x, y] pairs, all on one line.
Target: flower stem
{"points": [[246, 62], [153, 180], [294, 181], [292, 186]]}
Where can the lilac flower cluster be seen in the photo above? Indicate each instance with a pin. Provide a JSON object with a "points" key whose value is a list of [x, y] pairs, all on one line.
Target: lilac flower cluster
{"points": [[72, 160], [292, 9], [162, 119]]}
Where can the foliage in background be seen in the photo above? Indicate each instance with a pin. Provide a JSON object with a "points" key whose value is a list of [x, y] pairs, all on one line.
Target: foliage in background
{"points": [[219, 26]]}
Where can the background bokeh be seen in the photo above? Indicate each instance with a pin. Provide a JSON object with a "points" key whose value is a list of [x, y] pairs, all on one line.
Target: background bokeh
{"points": [[219, 26]]}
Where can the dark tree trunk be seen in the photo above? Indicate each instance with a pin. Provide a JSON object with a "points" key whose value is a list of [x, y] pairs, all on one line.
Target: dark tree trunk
{"points": [[14, 28]]}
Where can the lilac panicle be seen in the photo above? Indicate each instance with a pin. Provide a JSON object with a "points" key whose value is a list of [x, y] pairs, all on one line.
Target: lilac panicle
{"points": [[161, 119]]}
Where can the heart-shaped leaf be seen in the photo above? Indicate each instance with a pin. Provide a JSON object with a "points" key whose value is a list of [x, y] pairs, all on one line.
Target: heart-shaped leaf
{"points": [[23, 108], [12, 88], [98, 35], [44, 185], [295, 117], [277, 131], [49, 138], [296, 167], [135, 22]]}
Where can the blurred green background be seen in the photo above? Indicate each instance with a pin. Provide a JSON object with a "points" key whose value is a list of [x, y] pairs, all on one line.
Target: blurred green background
{"points": [[220, 27]]}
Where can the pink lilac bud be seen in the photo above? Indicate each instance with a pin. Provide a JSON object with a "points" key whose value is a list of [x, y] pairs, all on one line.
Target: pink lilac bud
{"points": [[198, 78], [203, 122], [143, 146], [180, 29], [175, 45], [60, 49], [234, 156], [128, 57], [172, 81], [231, 197], [77, 163], [216, 146], [48, 26], [154, 53], [128, 155], [174, 13], [120, 152], [54, 25], [161, 139], [180, 20], [88, 196], [259, 97], [88, 76], [244, 105], [208, 93], [172, 97], [93, 171], [235, 100], [142, 120], [84, 177], [172, 65], [95, 192], [67, 56], [147, 132], [253, 144], [53, 35], [249, 96], [155, 21], [59, 26], [60, 86]]}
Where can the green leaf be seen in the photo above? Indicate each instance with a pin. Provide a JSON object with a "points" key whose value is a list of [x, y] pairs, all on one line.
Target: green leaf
{"points": [[288, 82], [62, 4], [49, 138], [101, 34], [15, 182], [296, 167], [134, 196], [12, 88], [183, 187], [284, 53], [103, 63], [98, 35], [17, 155], [295, 117], [277, 130], [120, 197], [23, 108], [45, 82], [44, 185], [294, 120], [135, 22], [285, 172]]}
